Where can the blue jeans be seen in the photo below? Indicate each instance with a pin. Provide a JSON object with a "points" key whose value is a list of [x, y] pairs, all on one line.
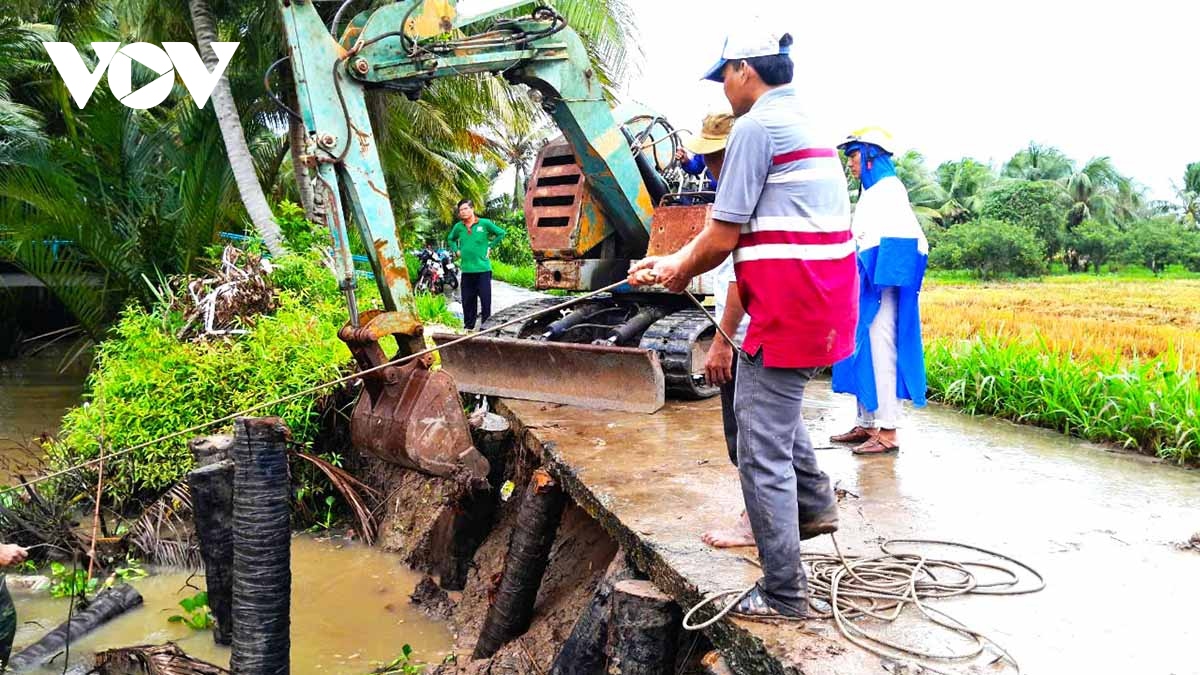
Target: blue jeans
{"points": [[781, 482]]}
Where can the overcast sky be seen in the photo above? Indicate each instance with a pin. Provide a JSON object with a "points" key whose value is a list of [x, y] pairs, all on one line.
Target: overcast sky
{"points": [[953, 79]]}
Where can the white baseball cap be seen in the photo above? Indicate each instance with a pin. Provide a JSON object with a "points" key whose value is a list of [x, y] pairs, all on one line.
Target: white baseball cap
{"points": [[758, 39]]}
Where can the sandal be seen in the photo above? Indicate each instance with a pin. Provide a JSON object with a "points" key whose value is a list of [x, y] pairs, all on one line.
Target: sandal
{"points": [[855, 435], [876, 446], [753, 606]]}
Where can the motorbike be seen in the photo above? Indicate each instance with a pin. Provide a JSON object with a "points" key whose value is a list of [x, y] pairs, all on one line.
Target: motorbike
{"points": [[438, 273]]}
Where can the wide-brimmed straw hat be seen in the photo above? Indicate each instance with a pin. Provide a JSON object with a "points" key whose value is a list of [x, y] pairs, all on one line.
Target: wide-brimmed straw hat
{"points": [[714, 134]]}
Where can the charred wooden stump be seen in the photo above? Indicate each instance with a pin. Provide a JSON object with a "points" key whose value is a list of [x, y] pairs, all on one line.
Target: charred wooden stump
{"points": [[528, 555], [262, 538], [108, 605], [475, 514], [583, 652], [211, 488], [644, 632], [211, 449]]}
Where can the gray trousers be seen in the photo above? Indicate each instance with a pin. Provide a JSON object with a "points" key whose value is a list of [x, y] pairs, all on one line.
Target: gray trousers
{"points": [[781, 482], [728, 417]]}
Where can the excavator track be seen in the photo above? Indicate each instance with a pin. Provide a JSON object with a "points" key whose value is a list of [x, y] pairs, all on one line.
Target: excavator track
{"points": [[517, 330], [679, 340]]}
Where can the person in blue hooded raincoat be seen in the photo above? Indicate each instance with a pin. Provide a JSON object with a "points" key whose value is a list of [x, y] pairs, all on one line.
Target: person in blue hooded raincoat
{"points": [[888, 364]]}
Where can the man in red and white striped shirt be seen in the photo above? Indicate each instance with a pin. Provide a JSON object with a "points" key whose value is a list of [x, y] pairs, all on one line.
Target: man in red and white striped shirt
{"points": [[783, 210]]}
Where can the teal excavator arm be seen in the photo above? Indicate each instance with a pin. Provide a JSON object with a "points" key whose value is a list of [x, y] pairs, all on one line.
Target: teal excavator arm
{"points": [[405, 46], [408, 413]]}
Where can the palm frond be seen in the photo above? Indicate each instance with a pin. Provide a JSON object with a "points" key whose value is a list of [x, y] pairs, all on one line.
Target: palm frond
{"points": [[163, 531], [352, 491]]}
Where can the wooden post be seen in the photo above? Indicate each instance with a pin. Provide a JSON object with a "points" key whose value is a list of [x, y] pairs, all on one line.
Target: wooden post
{"points": [[476, 512], [262, 539], [644, 632], [583, 652], [211, 488], [528, 554], [108, 605]]}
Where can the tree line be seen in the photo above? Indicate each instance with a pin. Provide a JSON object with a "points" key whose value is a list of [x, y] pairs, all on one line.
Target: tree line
{"points": [[1042, 207]]}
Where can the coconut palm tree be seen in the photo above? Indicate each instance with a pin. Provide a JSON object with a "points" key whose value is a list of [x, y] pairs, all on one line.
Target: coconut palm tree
{"points": [[20, 124], [1098, 191], [1039, 162], [238, 151], [1188, 194], [924, 193], [517, 142], [964, 183]]}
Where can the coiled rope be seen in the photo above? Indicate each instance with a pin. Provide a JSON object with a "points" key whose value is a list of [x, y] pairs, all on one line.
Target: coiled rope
{"points": [[849, 589]]}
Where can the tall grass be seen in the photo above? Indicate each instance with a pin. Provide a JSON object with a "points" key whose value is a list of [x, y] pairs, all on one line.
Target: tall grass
{"points": [[524, 276], [434, 309], [1151, 405]]}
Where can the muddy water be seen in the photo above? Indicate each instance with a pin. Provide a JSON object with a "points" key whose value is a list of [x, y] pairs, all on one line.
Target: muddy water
{"points": [[350, 606], [33, 397], [350, 613]]}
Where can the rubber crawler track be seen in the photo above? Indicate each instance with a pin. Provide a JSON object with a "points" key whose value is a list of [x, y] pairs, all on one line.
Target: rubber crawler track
{"points": [[673, 337]]}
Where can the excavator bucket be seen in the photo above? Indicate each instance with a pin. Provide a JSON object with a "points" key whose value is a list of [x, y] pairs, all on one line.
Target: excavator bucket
{"points": [[590, 376], [407, 414]]}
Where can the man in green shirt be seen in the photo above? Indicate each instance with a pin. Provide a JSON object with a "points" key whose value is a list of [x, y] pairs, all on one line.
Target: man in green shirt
{"points": [[471, 238]]}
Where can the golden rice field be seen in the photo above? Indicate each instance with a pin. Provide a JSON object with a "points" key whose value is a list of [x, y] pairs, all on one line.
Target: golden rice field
{"points": [[1130, 319], [1108, 360]]}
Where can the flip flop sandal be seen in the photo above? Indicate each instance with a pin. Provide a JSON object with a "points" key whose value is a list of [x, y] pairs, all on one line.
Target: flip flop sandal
{"points": [[753, 606], [876, 446]]}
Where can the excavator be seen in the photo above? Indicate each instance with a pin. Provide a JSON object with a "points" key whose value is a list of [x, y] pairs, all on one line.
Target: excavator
{"points": [[604, 193]]}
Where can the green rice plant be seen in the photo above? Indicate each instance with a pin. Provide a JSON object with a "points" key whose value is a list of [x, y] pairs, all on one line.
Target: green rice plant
{"points": [[1148, 405]]}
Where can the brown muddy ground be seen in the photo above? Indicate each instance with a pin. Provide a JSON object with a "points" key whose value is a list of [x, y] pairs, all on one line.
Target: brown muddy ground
{"points": [[414, 524], [1103, 527]]}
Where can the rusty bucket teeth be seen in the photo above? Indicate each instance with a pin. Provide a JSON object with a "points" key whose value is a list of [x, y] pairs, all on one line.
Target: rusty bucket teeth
{"points": [[589, 376]]}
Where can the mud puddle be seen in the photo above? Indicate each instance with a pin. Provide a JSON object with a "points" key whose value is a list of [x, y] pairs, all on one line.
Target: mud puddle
{"points": [[350, 614]]}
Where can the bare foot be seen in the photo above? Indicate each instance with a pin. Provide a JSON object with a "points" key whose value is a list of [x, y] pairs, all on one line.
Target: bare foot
{"points": [[738, 535], [888, 435]]}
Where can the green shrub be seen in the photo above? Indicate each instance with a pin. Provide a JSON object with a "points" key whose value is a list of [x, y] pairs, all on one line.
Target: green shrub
{"points": [[1097, 242], [433, 309], [514, 249], [1037, 205], [1162, 242], [989, 248], [300, 234], [146, 384]]}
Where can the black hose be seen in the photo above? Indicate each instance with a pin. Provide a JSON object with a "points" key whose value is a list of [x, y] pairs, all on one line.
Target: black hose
{"points": [[337, 16], [271, 92]]}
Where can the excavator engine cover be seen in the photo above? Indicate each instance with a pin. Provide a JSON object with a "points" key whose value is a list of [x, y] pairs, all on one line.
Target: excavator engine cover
{"points": [[407, 414]]}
